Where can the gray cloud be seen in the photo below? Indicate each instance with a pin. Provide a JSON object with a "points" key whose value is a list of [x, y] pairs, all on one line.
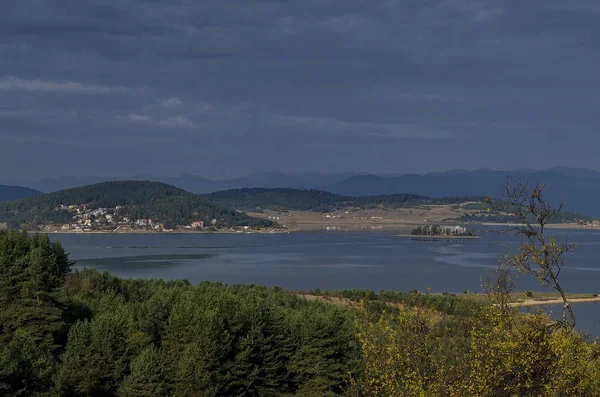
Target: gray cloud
{"points": [[14, 83], [230, 88], [364, 129], [479, 11], [177, 121]]}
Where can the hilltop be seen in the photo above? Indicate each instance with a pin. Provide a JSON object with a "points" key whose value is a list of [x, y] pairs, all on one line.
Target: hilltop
{"points": [[251, 199], [201, 185], [108, 205], [9, 193]]}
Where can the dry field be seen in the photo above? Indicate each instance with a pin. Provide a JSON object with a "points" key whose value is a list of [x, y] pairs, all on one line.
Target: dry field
{"points": [[401, 219]]}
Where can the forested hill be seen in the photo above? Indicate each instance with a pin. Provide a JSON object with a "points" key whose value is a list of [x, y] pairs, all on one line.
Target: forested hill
{"points": [[318, 200], [127, 199], [8, 193], [251, 199], [409, 200]]}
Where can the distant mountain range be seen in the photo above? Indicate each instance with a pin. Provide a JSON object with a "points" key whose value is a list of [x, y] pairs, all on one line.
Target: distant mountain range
{"points": [[580, 188], [8, 193]]}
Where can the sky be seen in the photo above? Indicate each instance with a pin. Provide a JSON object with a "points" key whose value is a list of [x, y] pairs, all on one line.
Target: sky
{"points": [[226, 88]]}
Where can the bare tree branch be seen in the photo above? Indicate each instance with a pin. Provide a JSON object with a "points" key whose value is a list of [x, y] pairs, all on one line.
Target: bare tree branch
{"points": [[538, 255]]}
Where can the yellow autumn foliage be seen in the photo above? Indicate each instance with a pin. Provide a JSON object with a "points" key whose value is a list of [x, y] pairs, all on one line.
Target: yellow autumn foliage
{"points": [[493, 353]]}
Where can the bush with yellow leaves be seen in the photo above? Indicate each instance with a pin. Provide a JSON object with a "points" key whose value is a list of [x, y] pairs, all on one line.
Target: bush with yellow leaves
{"points": [[416, 352]]}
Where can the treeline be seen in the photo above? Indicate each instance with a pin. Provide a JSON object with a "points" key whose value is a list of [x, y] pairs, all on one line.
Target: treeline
{"points": [[252, 199], [442, 230], [409, 200], [446, 303], [182, 210], [92, 334], [138, 199]]}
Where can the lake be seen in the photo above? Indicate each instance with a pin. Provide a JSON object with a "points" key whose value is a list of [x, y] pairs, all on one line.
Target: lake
{"points": [[330, 260]]}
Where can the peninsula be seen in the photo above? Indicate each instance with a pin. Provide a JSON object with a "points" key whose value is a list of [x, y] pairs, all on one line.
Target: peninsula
{"points": [[126, 206]]}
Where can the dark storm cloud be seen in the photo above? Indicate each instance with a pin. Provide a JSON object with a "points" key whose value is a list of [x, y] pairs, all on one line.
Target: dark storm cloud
{"points": [[226, 88]]}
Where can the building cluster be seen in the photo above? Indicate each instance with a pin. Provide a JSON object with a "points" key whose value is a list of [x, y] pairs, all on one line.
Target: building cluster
{"points": [[362, 218], [589, 223], [87, 218]]}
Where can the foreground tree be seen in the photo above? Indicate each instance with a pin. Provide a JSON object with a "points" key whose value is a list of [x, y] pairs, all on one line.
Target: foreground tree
{"points": [[32, 269], [539, 255]]}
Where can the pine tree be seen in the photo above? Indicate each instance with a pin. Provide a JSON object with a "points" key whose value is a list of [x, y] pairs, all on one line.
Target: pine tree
{"points": [[25, 367], [32, 269], [148, 376], [98, 354]]}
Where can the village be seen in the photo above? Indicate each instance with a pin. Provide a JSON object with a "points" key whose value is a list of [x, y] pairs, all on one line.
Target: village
{"points": [[593, 223], [85, 218]]}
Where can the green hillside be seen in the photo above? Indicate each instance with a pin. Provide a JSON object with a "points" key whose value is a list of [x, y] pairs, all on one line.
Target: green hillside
{"points": [[318, 200], [8, 193], [278, 199], [125, 200], [408, 200]]}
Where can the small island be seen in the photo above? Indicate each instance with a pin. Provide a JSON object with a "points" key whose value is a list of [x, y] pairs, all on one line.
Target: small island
{"points": [[442, 231]]}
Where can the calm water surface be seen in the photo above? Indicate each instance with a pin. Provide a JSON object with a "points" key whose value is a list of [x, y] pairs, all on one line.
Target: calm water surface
{"points": [[305, 261]]}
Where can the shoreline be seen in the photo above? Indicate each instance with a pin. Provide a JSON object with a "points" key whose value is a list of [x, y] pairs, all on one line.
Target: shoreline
{"points": [[425, 237], [157, 232], [320, 228], [568, 225], [528, 303], [348, 303]]}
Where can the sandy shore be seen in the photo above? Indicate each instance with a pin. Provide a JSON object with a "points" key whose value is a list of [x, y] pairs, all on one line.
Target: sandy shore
{"points": [[549, 226], [424, 237], [526, 303], [266, 231], [553, 301]]}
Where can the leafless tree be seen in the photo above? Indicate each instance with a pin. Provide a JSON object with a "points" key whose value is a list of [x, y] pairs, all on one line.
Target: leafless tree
{"points": [[498, 285], [538, 254]]}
